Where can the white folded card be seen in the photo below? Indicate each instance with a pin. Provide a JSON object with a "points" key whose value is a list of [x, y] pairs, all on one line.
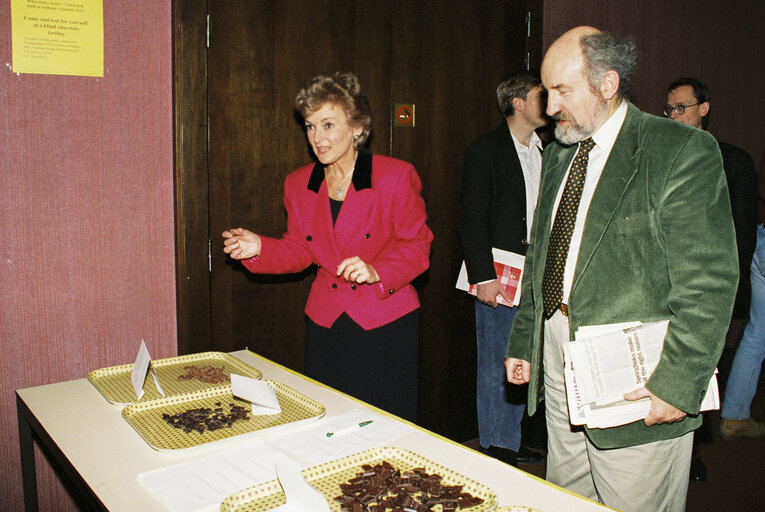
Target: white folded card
{"points": [[301, 496], [140, 368], [258, 393]]}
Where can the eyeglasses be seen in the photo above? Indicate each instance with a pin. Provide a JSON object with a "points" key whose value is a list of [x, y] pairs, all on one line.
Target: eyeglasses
{"points": [[679, 109]]}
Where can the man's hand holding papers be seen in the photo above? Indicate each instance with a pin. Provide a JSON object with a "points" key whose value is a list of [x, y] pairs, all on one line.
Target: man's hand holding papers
{"points": [[661, 411], [489, 293], [606, 369], [506, 288]]}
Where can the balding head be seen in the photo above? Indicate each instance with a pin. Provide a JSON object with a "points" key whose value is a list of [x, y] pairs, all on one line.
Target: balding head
{"points": [[569, 42], [582, 72]]}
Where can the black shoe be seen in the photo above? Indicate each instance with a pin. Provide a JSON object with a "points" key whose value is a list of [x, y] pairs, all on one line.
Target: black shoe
{"points": [[522, 456], [504, 454], [526, 456], [698, 470]]}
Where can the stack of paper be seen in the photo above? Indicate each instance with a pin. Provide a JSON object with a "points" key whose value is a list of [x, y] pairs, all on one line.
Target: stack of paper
{"points": [[607, 361]]}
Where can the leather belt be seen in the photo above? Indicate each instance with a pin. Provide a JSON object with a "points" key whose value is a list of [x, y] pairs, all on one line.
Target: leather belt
{"points": [[564, 309]]}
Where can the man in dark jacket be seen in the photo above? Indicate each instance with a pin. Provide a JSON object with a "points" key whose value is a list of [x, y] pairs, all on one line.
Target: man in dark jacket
{"points": [[500, 185]]}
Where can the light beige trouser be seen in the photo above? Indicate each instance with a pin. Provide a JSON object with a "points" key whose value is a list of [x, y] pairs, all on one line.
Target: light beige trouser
{"points": [[648, 477]]}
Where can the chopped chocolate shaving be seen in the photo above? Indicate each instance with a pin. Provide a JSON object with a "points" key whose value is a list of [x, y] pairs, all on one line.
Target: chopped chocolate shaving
{"points": [[204, 419], [208, 374], [383, 488]]}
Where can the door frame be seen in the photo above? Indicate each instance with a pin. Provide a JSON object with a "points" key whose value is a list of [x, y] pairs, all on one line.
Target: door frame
{"points": [[192, 237]]}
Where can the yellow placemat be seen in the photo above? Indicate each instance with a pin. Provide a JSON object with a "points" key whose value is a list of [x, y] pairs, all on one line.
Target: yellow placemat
{"points": [[115, 385], [327, 477], [147, 417]]}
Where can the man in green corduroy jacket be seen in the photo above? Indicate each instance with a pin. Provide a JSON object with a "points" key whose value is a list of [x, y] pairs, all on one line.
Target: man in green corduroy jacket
{"points": [[651, 238]]}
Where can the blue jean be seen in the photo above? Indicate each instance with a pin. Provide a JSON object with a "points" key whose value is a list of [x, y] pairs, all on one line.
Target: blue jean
{"points": [[500, 404], [745, 372]]}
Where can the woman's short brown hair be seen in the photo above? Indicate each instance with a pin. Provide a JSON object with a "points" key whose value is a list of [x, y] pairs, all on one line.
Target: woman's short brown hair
{"points": [[343, 90]]}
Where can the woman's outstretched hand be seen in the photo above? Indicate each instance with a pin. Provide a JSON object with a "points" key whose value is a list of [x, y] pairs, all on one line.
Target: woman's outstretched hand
{"points": [[241, 244]]}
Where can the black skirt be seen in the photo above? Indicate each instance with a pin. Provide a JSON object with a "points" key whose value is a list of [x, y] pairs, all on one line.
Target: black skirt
{"points": [[378, 366]]}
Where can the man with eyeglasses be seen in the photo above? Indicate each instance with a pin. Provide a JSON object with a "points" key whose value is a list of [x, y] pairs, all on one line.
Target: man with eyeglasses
{"points": [[688, 102]]}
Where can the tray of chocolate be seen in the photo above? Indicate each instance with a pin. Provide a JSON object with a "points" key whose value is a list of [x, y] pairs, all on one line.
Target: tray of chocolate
{"points": [[213, 415], [177, 375], [383, 479]]}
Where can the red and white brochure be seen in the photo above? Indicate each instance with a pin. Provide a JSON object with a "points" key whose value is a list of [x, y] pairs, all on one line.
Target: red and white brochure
{"points": [[509, 267]]}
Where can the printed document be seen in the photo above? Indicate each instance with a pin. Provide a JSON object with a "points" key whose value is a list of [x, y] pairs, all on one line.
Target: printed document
{"points": [[607, 361]]}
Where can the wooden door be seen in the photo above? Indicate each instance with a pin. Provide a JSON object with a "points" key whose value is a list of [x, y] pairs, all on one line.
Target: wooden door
{"points": [[444, 56]]}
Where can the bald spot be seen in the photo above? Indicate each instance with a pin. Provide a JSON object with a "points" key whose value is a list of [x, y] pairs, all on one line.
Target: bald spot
{"points": [[566, 51]]}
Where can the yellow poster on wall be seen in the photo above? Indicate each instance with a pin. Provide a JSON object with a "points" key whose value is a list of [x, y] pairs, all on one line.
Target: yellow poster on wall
{"points": [[58, 37]]}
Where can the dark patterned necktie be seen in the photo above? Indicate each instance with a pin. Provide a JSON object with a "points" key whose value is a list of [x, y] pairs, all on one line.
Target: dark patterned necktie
{"points": [[563, 228]]}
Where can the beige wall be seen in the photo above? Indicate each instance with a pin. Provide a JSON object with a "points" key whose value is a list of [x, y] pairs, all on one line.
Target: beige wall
{"points": [[86, 213]]}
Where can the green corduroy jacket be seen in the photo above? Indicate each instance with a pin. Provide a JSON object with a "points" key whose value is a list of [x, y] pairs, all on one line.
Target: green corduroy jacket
{"points": [[658, 243]]}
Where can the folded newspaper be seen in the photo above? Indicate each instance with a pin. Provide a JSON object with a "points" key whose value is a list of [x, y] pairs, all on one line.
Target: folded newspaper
{"points": [[607, 361]]}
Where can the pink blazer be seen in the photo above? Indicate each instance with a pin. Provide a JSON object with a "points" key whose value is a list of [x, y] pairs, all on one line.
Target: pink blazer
{"points": [[382, 221]]}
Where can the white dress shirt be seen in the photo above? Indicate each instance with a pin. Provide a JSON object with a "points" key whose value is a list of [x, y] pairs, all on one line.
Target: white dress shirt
{"points": [[531, 164]]}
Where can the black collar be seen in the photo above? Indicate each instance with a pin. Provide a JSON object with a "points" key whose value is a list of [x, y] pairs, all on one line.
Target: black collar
{"points": [[362, 173]]}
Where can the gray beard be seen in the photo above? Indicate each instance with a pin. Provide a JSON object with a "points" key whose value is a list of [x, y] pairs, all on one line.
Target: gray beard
{"points": [[571, 134], [574, 132]]}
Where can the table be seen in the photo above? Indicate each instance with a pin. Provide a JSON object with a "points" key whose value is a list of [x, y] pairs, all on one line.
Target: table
{"points": [[99, 455]]}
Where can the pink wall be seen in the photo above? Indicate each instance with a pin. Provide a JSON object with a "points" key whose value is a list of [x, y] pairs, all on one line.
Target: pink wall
{"points": [[86, 212]]}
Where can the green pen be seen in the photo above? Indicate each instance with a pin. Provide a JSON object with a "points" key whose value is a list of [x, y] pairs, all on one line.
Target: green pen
{"points": [[348, 429]]}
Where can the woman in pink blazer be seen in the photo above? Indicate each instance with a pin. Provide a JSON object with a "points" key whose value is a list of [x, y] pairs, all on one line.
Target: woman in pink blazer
{"points": [[360, 219]]}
